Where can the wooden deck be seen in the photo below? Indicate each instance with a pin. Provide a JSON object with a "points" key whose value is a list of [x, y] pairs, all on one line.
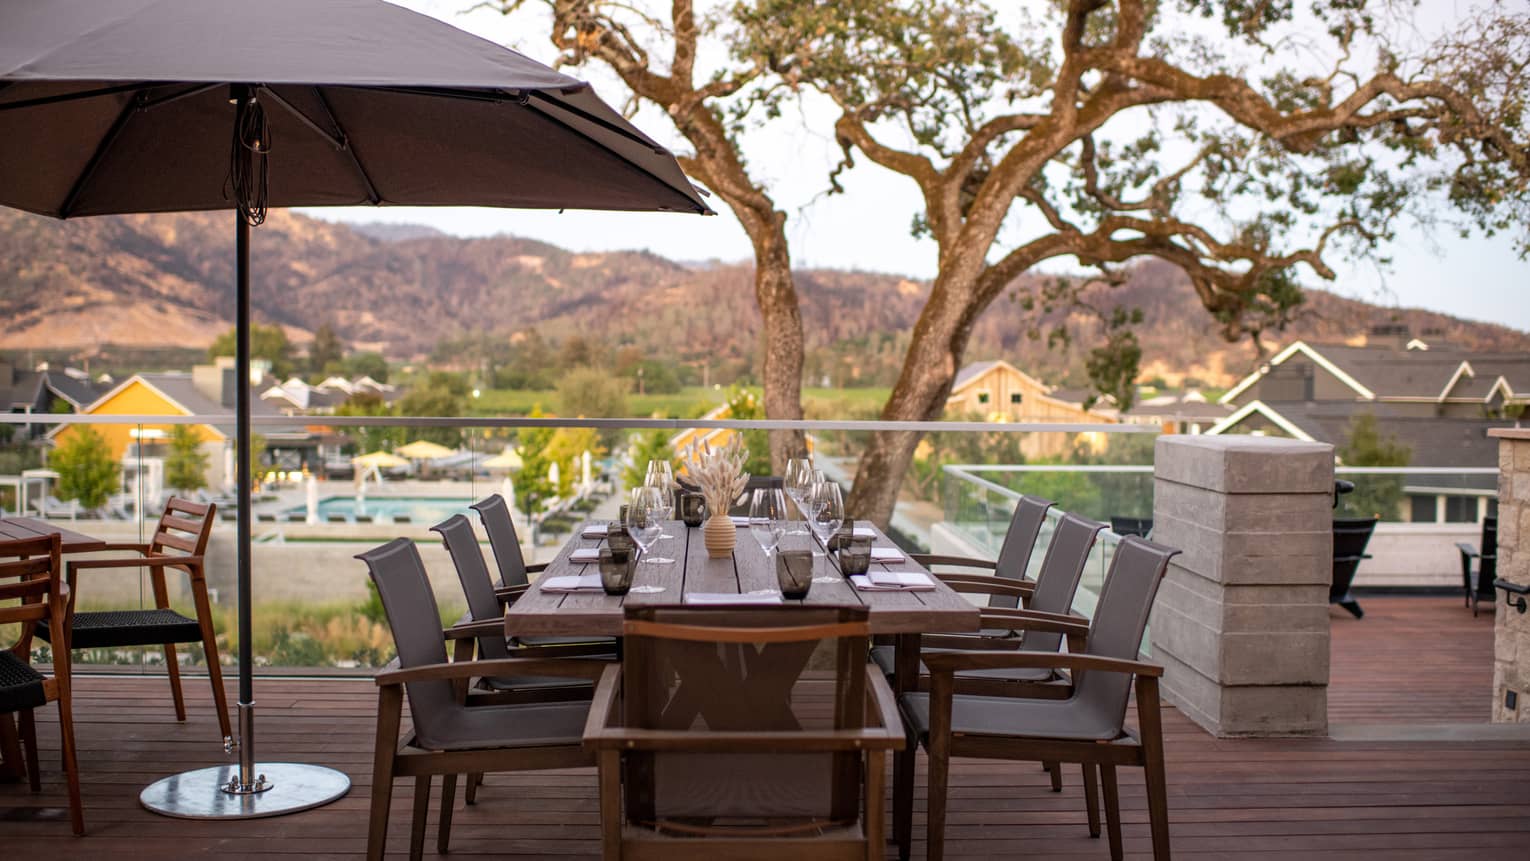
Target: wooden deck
{"points": [[1412, 660]]}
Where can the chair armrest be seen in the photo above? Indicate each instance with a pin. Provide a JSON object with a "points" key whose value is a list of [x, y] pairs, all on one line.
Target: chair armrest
{"points": [[1467, 550], [881, 700], [591, 670], [603, 704], [510, 593], [1033, 620], [947, 663], [136, 548], [474, 630], [609, 737], [564, 650], [146, 561], [536, 568], [987, 585], [928, 559]]}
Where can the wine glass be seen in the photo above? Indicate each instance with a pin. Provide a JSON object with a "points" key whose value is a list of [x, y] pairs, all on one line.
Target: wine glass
{"points": [[661, 474], [645, 521], [767, 518], [828, 510], [798, 479]]}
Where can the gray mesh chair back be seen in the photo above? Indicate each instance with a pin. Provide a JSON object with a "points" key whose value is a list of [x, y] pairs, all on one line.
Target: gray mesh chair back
{"points": [[1019, 543], [404, 587], [1061, 570], [494, 512], [473, 572], [740, 670], [1120, 618]]}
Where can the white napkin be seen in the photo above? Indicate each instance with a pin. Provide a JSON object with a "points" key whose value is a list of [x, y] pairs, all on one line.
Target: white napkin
{"points": [[585, 554], [893, 581], [572, 583], [729, 598], [595, 530], [886, 554], [864, 532]]}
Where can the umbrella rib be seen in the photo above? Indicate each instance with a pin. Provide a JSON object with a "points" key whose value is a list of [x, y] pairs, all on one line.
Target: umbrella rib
{"points": [[605, 124], [335, 140], [70, 97], [96, 158], [350, 151]]}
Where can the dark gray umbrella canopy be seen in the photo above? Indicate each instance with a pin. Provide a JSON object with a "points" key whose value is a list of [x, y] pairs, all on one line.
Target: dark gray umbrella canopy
{"points": [[367, 103]]}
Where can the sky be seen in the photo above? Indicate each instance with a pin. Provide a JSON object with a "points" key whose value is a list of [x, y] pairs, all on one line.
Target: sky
{"points": [[867, 228]]}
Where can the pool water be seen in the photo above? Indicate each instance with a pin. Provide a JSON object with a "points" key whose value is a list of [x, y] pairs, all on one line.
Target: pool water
{"points": [[419, 509]]}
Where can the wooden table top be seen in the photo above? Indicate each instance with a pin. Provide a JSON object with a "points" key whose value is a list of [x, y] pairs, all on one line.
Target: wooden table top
{"points": [[747, 570], [15, 528]]}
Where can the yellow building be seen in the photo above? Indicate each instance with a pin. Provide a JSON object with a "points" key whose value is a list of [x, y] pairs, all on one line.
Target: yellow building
{"points": [[999, 392]]}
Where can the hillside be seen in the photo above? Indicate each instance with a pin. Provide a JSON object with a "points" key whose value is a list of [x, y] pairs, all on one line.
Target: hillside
{"points": [[163, 280]]}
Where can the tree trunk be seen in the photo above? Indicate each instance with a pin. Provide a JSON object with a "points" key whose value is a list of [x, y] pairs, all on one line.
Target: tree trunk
{"points": [[934, 354], [776, 294]]}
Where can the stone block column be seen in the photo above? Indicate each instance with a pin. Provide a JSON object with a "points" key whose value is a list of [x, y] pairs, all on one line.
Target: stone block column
{"points": [[1241, 621], [1511, 640]]}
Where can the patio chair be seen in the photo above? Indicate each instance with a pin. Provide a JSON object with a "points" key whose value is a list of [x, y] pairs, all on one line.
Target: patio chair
{"points": [[713, 742], [178, 542], [1350, 535], [1088, 727], [494, 513], [1478, 583], [42, 596], [450, 737]]}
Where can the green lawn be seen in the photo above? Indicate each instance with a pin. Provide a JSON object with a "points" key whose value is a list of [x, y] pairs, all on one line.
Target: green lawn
{"points": [[690, 402]]}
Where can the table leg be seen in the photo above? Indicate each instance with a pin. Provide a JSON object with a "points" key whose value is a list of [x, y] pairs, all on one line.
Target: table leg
{"points": [[11, 769], [906, 679]]}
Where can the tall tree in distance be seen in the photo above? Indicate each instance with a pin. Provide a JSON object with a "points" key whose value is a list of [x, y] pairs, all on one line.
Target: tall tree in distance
{"points": [[186, 462], [266, 342], [707, 109], [86, 470], [325, 351], [1247, 143]]}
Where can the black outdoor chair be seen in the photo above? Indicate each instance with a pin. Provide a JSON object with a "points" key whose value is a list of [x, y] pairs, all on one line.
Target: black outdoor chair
{"points": [[1478, 583], [1350, 536]]}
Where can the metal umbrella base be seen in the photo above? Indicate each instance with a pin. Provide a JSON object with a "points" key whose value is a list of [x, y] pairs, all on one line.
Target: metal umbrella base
{"points": [[203, 794]]}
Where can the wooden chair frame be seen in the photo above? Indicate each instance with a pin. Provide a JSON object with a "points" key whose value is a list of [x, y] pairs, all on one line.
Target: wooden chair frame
{"points": [[609, 740], [43, 596], [153, 555]]}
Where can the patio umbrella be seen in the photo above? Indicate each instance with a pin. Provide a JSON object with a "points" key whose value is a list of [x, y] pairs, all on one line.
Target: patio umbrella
{"points": [[424, 449], [508, 459], [379, 459], [122, 106]]}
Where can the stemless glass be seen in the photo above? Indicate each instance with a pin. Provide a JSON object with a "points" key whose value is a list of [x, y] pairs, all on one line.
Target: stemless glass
{"points": [[645, 519], [767, 518]]}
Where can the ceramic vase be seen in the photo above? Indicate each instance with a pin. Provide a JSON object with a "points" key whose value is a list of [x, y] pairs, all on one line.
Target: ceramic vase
{"points": [[720, 534]]}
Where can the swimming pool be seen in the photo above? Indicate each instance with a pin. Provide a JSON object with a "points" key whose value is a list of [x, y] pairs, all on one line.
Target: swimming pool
{"points": [[419, 509]]}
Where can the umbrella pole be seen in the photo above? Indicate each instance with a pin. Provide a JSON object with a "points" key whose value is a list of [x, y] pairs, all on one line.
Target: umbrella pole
{"points": [[245, 791]]}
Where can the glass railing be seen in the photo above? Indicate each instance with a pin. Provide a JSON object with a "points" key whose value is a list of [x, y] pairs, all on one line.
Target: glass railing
{"points": [[316, 507]]}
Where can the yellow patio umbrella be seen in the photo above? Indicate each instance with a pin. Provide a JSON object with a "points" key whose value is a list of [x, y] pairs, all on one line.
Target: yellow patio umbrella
{"points": [[507, 459], [379, 459], [424, 449]]}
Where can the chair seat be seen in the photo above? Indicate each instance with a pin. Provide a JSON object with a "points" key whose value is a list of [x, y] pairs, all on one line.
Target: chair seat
{"points": [[128, 628], [494, 726], [21, 687], [886, 658], [1013, 717]]}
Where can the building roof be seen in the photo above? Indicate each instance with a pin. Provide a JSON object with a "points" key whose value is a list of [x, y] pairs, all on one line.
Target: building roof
{"points": [[1435, 441], [1387, 373], [178, 388]]}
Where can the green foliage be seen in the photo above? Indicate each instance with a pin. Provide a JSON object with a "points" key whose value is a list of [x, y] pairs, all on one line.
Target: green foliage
{"points": [[744, 406], [642, 447], [566, 448], [439, 394], [186, 463], [586, 392], [1367, 445], [326, 349], [365, 364], [531, 484], [369, 438], [266, 342], [86, 470]]}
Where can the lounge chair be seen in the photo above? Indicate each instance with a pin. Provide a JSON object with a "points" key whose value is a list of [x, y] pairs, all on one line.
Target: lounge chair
{"points": [[1350, 536], [264, 517], [53, 507], [178, 543], [1477, 580], [402, 518], [448, 735], [712, 745], [39, 589], [1087, 727], [1142, 527]]}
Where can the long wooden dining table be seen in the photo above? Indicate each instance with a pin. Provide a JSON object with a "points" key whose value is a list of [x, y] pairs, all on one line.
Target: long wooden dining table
{"points": [[746, 570], [20, 528]]}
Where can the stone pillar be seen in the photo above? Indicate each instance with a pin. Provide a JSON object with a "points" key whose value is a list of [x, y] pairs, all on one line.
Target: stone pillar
{"points": [[1241, 622], [1511, 640]]}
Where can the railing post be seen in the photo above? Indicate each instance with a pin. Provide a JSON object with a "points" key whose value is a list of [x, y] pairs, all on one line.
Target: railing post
{"points": [[1241, 623], [1511, 641]]}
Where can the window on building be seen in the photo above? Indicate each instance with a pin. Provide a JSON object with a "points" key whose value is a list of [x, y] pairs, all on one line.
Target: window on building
{"points": [[982, 397], [1016, 397], [1460, 509], [1422, 509]]}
